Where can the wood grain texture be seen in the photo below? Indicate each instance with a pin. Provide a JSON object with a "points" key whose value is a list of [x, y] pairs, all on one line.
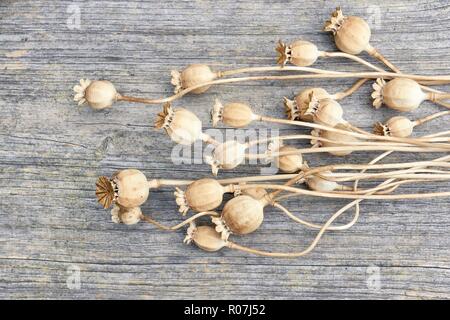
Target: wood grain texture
{"points": [[51, 152]]}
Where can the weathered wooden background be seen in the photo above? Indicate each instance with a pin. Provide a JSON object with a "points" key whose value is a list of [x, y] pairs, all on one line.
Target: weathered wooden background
{"points": [[52, 151]]}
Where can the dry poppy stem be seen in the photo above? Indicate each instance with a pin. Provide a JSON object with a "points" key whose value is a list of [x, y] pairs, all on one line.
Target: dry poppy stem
{"points": [[313, 74], [384, 189], [416, 174], [233, 245], [156, 183], [180, 225], [343, 227], [430, 117], [365, 135], [345, 149], [325, 227], [348, 196], [399, 165], [348, 143], [357, 207], [344, 94], [313, 225]]}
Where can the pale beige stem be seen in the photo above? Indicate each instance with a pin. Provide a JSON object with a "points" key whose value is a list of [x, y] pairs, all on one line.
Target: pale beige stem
{"points": [[156, 183], [341, 95], [316, 240], [347, 143], [348, 196], [415, 141], [313, 225], [180, 225], [430, 117], [377, 55], [346, 149], [313, 73]]}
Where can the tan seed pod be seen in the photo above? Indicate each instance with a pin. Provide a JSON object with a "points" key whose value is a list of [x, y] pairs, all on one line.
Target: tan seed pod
{"points": [[182, 126], [340, 138], [286, 163], [351, 34], [317, 183], [300, 53], [227, 155], [398, 126], [295, 109], [240, 215], [325, 111], [201, 195], [99, 94], [131, 188], [128, 188], [400, 94], [235, 115], [205, 237], [193, 75], [127, 216]]}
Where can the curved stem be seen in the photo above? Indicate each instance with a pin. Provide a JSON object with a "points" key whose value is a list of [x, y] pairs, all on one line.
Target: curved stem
{"points": [[316, 240], [180, 225], [350, 57], [344, 94], [313, 73], [313, 225]]}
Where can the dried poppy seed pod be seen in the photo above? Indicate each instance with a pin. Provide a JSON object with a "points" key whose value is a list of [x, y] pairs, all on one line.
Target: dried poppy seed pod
{"points": [[204, 237], [201, 195], [300, 53], [317, 183], [127, 216], [227, 155], [340, 138], [193, 75], [289, 163], [400, 94], [240, 215], [398, 126], [128, 188], [326, 111], [182, 126], [351, 34], [295, 109], [235, 115], [99, 94]]}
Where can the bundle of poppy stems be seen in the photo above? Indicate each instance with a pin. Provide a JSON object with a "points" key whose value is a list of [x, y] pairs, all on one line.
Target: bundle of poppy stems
{"points": [[313, 108]]}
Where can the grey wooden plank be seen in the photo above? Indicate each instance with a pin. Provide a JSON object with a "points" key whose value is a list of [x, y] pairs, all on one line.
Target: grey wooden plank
{"points": [[52, 151]]}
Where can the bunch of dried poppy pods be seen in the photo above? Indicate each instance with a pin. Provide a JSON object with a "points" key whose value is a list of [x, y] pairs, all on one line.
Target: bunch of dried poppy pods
{"points": [[313, 108]]}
